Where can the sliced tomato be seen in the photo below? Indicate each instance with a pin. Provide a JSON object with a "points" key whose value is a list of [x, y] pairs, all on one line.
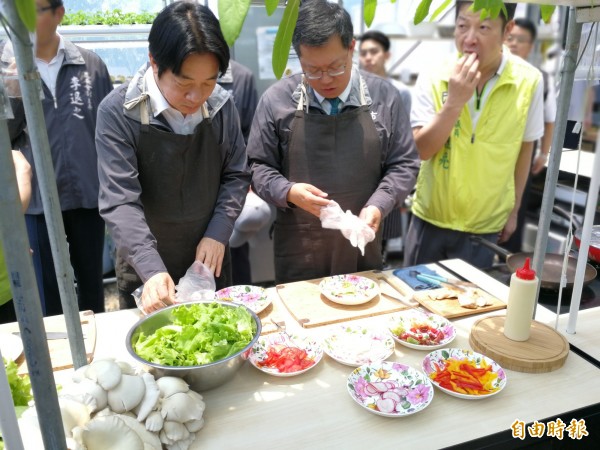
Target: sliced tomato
{"points": [[287, 359]]}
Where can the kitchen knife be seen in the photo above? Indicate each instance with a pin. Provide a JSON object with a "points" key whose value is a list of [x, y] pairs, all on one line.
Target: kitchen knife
{"points": [[51, 335], [437, 280]]}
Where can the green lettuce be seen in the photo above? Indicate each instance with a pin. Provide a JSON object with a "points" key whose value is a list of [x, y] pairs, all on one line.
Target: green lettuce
{"points": [[201, 333], [20, 387]]}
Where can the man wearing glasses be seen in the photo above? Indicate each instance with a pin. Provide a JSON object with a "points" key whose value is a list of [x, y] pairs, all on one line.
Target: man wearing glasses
{"points": [[521, 41], [330, 133], [74, 82]]}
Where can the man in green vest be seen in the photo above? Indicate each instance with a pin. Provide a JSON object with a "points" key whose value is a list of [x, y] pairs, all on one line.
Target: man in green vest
{"points": [[474, 122]]}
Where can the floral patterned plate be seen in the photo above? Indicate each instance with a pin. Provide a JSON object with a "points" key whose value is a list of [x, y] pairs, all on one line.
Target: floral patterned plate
{"points": [[435, 362], [277, 344], [254, 297], [349, 289], [414, 329], [390, 389], [354, 345]]}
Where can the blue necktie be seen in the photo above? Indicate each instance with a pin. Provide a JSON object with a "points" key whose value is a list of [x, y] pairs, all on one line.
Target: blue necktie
{"points": [[335, 103]]}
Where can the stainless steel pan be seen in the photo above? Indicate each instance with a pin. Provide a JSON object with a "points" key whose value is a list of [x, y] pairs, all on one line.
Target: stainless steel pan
{"points": [[553, 263]]}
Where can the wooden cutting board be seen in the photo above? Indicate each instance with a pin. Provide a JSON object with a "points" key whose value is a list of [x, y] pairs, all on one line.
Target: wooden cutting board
{"points": [[60, 351], [450, 307], [545, 350], [305, 303], [269, 315]]}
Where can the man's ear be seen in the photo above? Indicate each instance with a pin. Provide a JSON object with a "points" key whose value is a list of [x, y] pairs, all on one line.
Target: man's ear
{"points": [[352, 45], [59, 12], [153, 64], [508, 28]]}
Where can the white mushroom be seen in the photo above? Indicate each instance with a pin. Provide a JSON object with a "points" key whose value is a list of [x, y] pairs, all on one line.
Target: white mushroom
{"points": [[175, 431], [73, 413], [183, 444], [79, 374], [151, 395], [89, 388], [154, 422], [194, 425], [30, 429], [171, 385], [107, 432], [127, 394], [181, 408], [197, 398], [126, 368], [105, 372], [150, 440]]}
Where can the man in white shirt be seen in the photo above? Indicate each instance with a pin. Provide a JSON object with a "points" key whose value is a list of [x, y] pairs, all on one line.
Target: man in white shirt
{"points": [[521, 41], [74, 82]]}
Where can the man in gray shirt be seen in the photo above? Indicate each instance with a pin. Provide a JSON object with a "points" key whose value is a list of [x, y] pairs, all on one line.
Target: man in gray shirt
{"points": [[330, 133], [171, 159]]}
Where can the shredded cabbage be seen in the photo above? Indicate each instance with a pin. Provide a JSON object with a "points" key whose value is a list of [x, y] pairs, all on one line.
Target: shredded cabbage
{"points": [[201, 333]]}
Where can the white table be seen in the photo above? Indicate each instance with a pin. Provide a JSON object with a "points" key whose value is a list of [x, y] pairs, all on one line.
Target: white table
{"points": [[314, 410]]}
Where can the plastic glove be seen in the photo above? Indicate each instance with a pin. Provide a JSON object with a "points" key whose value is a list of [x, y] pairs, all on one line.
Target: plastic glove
{"points": [[352, 227]]}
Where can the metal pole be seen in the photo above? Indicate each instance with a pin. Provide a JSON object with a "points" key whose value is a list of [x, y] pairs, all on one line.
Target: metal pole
{"points": [[29, 80], [564, 98], [13, 236], [8, 418], [588, 222]]}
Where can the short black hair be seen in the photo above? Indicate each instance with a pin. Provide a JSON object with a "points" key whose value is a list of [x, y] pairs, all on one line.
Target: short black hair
{"points": [[184, 28], [377, 36], [528, 25], [55, 3], [318, 21], [510, 10]]}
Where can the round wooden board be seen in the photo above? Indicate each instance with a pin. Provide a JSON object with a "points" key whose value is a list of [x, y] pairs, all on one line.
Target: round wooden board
{"points": [[545, 350]]}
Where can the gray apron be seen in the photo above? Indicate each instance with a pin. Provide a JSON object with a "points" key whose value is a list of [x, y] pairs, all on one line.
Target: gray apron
{"points": [[340, 155], [180, 177]]}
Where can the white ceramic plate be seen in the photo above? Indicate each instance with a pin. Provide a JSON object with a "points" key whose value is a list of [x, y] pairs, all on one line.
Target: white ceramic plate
{"points": [[390, 389], [414, 329], [254, 297], [279, 342], [349, 289], [11, 346], [354, 345], [435, 362]]}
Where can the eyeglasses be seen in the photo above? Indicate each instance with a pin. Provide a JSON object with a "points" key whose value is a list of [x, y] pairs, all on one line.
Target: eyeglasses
{"points": [[42, 9], [318, 74], [518, 39]]}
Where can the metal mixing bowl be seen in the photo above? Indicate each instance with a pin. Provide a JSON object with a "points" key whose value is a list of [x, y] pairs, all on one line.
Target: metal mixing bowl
{"points": [[202, 377]]}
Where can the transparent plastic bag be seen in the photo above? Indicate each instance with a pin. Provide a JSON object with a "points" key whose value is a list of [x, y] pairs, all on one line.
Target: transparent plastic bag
{"points": [[198, 283]]}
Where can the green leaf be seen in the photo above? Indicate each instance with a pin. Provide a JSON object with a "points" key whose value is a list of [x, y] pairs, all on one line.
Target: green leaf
{"points": [[547, 11], [440, 9], [369, 11], [27, 13], [232, 14], [271, 6], [283, 39], [422, 11], [489, 8]]}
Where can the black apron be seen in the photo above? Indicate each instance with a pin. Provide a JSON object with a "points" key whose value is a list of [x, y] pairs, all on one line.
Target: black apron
{"points": [[340, 155], [180, 177]]}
